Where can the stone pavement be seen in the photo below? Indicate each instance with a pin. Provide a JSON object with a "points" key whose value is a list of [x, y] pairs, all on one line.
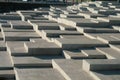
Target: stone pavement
{"points": [[77, 42]]}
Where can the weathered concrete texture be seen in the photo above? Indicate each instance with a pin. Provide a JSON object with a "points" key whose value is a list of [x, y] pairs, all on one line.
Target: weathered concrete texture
{"points": [[20, 25], [38, 74], [67, 70], [78, 43], [44, 48], [31, 62], [4, 56], [19, 36], [75, 42]]}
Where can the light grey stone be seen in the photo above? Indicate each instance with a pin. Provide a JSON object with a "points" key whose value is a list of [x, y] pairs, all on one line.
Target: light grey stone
{"points": [[78, 43], [20, 25], [37, 74], [101, 64], [44, 48], [71, 72]]}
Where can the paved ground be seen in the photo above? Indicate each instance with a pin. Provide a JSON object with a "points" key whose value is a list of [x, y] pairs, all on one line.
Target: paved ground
{"points": [[78, 42]]}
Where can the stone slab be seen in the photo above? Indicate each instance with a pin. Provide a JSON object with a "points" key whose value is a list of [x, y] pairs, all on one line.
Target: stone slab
{"points": [[19, 36], [101, 65], [30, 61], [7, 64], [109, 52], [71, 72], [16, 48], [57, 33], [44, 48], [38, 74], [94, 54], [20, 25], [78, 43], [46, 26]]}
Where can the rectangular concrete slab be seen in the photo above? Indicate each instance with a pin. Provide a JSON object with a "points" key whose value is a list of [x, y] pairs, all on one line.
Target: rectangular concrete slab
{"points": [[101, 65], [109, 52], [37, 74], [7, 64], [94, 54], [30, 61], [20, 25], [78, 43], [71, 72], [56, 33], [44, 48], [19, 36]]}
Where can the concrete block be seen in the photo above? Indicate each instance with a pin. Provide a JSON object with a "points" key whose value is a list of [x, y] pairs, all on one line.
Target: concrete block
{"points": [[6, 65], [44, 48], [94, 54], [57, 33], [78, 43], [20, 25], [71, 72], [19, 36], [31, 62], [109, 52], [38, 74], [46, 26], [103, 64]]}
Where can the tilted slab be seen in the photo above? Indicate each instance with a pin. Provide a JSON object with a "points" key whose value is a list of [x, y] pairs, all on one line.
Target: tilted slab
{"points": [[70, 16], [94, 54], [116, 27], [42, 48], [115, 47], [7, 74], [41, 21], [10, 17], [111, 20], [31, 62], [101, 64], [46, 26], [67, 27], [78, 43], [5, 61], [56, 33], [106, 75], [37, 74], [82, 22], [72, 36], [95, 35], [2, 46], [8, 29], [71, 72], [19, 36], [20, 25], [90, 15], [16, 48], [109, 39], [109, 52], [96, 30], [74, 54]]}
